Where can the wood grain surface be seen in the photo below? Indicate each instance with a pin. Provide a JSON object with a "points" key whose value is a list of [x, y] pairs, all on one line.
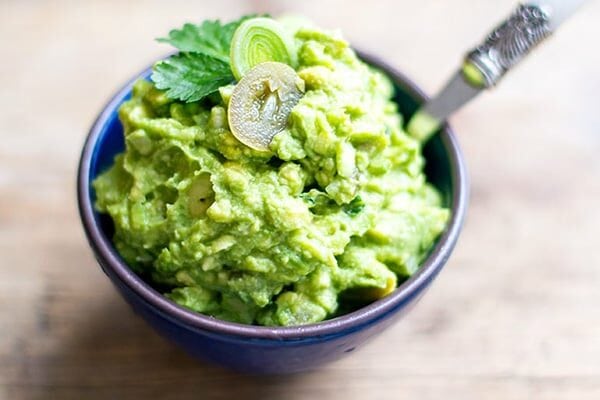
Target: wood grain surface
{"points": [[515, 315]]}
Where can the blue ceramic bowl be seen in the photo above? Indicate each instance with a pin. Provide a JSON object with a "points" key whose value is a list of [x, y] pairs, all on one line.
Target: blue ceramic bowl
{"points": [[258, 349]]}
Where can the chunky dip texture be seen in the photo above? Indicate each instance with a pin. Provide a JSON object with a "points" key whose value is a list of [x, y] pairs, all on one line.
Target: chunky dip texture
{"points": [[336, 210]]}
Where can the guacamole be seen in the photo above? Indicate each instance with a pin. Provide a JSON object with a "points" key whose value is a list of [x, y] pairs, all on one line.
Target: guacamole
{"points": [[336, 210]]}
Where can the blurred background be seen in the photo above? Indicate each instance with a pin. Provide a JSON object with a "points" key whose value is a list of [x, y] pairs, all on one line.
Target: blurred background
{"points": [[515, 314]]}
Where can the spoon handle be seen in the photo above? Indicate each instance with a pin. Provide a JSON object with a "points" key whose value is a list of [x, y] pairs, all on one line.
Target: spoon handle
{"points": [[487, 63], [513, 39]]}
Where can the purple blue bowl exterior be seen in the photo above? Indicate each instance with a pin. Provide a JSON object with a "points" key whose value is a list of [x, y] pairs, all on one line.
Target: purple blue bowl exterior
{"points": [[270, 350]]}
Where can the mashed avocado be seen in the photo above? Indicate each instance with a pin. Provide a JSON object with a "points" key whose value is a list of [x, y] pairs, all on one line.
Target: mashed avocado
{"points": [[337, 209]]}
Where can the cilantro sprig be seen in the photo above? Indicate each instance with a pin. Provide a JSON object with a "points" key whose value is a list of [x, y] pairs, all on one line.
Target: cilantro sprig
{"points": [[191, 76], [202, 64], [210, 38]]}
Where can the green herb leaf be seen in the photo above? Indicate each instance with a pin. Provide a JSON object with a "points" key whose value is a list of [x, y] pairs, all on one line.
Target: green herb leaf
{"points": [[354, 207], [191, 76], [210, 38], [202, 66]]}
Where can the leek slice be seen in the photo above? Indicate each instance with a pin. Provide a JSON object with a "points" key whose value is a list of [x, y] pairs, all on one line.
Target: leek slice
{"points": [[258, 40]]}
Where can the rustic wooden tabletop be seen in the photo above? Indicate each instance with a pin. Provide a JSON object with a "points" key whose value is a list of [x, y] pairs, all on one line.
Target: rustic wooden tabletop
{"points": [[515, 315]]}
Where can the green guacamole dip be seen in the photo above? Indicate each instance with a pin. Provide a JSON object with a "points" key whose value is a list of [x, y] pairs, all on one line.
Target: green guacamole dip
{"points": [[338, 211]]}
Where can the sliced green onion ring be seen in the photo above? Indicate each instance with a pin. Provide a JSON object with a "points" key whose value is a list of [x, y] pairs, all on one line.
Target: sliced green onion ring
{"points": [[258, 40]]}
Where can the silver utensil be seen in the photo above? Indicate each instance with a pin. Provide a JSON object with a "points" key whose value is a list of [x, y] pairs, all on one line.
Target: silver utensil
{"points": [[484, 66]]}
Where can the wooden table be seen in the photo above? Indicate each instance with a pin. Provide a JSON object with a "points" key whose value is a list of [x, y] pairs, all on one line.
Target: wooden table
{"points": [[515, 315]]}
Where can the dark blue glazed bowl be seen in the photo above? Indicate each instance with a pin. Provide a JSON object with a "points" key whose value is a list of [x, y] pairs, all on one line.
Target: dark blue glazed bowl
{"points": [[271, 350]]}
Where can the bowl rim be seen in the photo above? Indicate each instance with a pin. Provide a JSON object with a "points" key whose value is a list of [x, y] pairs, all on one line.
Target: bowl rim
{"points": [[109, 258]]}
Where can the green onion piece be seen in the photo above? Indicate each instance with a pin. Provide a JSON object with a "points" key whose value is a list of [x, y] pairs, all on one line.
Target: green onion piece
{"points": [[258, 40]]}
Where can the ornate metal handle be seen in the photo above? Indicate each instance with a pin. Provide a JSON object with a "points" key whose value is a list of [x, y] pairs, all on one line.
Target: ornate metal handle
{"points": [[507, 45]]}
